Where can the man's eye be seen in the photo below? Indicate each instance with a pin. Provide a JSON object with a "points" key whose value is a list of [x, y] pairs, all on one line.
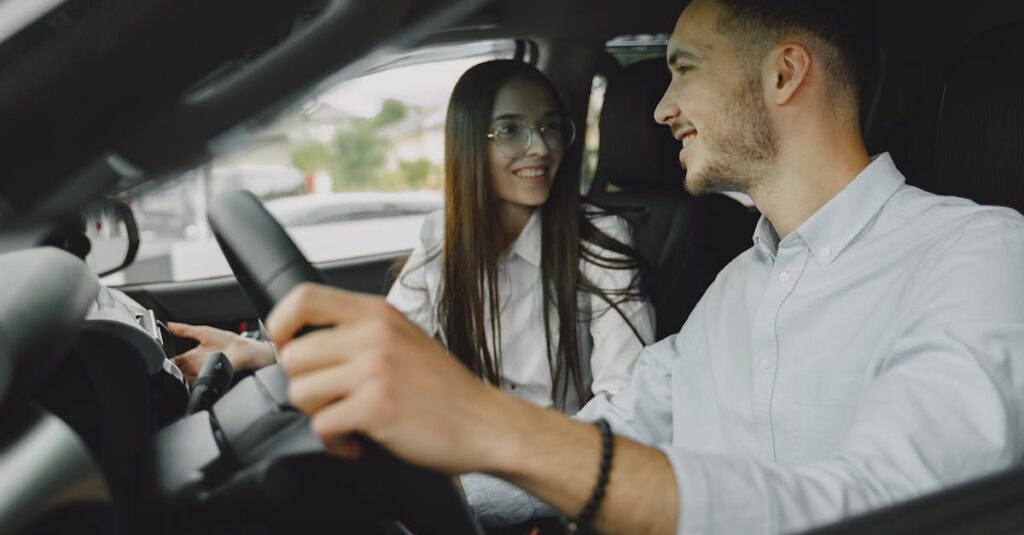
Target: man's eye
{"points": [[683, 69]]}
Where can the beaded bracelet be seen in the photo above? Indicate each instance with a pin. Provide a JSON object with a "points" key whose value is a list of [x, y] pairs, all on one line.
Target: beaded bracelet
{"points": [[581, 524]]}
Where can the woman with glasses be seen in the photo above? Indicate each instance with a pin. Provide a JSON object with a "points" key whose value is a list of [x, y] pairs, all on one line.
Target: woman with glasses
{"points": [[530, 288], [513, 237]]}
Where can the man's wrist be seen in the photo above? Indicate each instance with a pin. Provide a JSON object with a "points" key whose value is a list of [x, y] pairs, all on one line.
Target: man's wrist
{"points": [[582, 521], [504, 442], [523, 433]]}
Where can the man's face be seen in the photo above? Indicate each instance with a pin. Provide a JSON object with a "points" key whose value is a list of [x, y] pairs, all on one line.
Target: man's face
{"points": [[715, 106]]}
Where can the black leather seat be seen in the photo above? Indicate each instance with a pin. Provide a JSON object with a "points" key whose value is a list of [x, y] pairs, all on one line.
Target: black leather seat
{"points": [[686, 240], [979, 140]]}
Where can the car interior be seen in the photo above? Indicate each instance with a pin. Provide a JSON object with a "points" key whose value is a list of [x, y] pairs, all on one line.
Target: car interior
{"points": [[100, 99]]}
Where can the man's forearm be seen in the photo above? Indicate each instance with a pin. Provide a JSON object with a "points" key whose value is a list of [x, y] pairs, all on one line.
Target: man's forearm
{"points": [[557, 460], [372, 373]]}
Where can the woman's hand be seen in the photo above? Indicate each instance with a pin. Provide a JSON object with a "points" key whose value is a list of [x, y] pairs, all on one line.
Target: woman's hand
{"points": [[243, 353], [371, 372]]}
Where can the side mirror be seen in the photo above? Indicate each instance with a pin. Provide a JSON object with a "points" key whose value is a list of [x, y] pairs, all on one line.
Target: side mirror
{"points": [[113, 234]]}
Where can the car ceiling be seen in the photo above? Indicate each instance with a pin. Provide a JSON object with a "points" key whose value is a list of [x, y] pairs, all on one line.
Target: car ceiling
{"points": [[136, 127], [590, 20]]}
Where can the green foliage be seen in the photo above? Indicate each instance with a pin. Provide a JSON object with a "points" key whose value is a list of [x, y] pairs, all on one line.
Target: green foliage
{"points": [[391, 111], [359, 156], [356, 158], [311, 157], [416, 174]]}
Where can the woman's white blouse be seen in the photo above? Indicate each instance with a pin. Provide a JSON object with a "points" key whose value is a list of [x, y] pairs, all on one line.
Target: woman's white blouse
{"points": [[608, 342]]}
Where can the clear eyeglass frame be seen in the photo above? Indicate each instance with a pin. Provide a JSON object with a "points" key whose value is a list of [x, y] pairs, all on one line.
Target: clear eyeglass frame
{"points": [[557, 135]]}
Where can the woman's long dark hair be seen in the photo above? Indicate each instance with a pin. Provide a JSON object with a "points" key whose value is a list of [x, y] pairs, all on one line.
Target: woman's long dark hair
{"points": [[469, 282]]}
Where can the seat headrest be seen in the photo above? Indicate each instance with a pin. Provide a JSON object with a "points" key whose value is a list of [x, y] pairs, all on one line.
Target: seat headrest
{"points": [[979, 143], [636, 153]]}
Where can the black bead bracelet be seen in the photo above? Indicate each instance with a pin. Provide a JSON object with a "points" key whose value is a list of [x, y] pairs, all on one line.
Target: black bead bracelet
{"points": [[581, 524]]}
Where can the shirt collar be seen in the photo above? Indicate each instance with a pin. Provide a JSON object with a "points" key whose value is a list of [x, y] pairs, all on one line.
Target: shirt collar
{"points": [[830, 230], [527, 244], [765, 238]]}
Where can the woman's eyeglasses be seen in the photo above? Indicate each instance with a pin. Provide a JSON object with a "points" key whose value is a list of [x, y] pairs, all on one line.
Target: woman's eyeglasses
{"points": [[514, 136]]}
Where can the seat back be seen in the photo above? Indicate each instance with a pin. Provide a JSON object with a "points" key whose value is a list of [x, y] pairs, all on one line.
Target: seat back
{"points": [[686, 240], [979, 140]]}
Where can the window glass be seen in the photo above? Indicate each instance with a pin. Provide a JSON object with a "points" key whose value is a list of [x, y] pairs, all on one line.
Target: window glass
{"points": [[591, 134], [350, 172], [629, 49]]}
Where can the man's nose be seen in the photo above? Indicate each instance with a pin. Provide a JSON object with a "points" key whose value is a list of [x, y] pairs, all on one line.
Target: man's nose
{"points": [[666, 111]]}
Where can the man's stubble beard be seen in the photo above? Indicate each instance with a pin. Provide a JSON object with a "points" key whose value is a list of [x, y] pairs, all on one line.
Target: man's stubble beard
{"points": [[744, 150]]}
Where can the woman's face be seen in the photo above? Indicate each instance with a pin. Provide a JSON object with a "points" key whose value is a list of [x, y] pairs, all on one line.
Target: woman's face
{"points": [[523, 181]]}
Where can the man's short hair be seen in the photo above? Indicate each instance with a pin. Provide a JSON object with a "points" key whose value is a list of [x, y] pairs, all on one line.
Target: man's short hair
{"points": [[844, 31]]}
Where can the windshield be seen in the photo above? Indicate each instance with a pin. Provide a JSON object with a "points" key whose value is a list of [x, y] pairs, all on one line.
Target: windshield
{"points": [[350, 172]]}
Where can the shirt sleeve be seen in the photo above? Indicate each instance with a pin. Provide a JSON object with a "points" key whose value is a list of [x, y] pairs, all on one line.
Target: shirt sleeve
{"points": [[411, 293], [642, 411], [615, 344], [944, 406]]}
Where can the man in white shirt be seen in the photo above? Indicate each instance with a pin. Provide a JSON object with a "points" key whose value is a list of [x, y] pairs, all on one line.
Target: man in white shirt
{"points": [[869, 347]]}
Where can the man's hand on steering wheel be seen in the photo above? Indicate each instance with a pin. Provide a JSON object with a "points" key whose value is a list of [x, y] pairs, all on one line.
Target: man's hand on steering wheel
{"points": [[371, 372]]}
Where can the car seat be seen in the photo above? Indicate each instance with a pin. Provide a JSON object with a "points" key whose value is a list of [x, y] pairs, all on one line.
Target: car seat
{"points": [[979, 138], [685, 240]]}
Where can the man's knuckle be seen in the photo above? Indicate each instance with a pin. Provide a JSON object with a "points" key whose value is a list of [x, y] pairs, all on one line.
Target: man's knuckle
{"points": [[378, 330], [382, 401], [378, 367], [296, 394], [385, 309], [305, 292], [322, 427], [373, 410], [287, 363]]}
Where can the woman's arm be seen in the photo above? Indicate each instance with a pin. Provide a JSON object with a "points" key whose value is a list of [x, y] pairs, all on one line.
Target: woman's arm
{"points": [[618, 333], [242, 353], [414, 291]]}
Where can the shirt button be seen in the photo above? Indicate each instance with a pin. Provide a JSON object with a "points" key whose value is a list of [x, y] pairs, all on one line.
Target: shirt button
{"points": [[784, 276], [765, 364], [826, 252]]}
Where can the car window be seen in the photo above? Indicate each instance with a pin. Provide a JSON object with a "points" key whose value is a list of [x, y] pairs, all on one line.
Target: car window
{"points": [[629, 49], [350, 172]]}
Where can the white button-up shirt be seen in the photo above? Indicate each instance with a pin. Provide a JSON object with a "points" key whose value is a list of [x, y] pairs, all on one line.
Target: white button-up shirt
{"points": [[608, 347], [874, 354]]}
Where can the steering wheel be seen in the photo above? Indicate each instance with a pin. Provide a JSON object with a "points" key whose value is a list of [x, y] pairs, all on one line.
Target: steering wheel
{"points": [[268, 265], [263, 258]]}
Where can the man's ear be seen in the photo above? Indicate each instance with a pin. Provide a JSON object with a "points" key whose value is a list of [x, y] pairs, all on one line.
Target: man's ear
{"points": [[789, 67]]}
